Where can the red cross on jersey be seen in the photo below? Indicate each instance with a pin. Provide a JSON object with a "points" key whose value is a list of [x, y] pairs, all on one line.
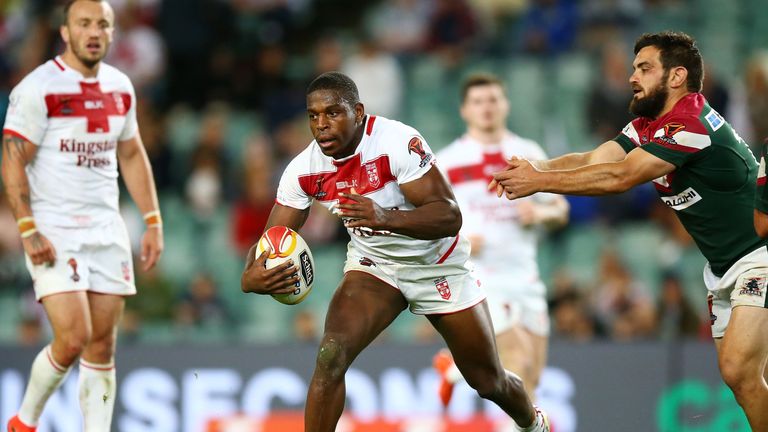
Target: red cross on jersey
{"points": [[76, 123]]}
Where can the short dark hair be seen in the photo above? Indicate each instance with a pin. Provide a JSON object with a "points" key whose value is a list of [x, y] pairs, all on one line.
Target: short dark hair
{"points": [[676, 49], [68, 5], [477, 80], [338, 82]]}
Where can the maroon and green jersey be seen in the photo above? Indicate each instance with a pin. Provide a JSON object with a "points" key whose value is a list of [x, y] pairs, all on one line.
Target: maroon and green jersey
{"points": [[713, 186]]}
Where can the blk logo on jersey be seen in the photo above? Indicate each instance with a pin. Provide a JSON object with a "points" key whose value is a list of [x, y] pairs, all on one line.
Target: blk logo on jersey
{"points": [[415, 146], [73, 263], [442, 288]]}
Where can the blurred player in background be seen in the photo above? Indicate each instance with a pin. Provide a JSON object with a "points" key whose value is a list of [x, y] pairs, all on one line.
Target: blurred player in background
{"points": [[69, 123], [707, 174], [503, 234], [378, 176]]}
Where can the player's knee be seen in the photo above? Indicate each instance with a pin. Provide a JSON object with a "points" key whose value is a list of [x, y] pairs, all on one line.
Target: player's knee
{"points": [[72, 344], [738, 374], [332, 359], [488, 384], [102, 349]]}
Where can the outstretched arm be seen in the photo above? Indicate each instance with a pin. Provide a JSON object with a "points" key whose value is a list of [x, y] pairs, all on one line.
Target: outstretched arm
{"points": [[436, 214], [137, 174], [609, 151], [522, 179]]}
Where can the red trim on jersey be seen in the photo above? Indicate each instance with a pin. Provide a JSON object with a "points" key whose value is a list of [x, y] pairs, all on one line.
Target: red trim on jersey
{"points": [[365, 177], [459, 310], [491, 163], [369, 126], [60, 66], [761, 181], [97, 367], [16, 134], [53, 363], [91, 103], [449, 251]]}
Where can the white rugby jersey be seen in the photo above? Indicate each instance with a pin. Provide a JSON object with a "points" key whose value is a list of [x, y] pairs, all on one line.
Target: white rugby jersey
{"points": [[508, 248], [390, 153], [76, 123]]}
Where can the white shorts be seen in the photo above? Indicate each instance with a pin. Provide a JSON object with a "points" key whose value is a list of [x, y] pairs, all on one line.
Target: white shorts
{"points": [[743, 284], [96, 259], [512, 304], [429, 289]]}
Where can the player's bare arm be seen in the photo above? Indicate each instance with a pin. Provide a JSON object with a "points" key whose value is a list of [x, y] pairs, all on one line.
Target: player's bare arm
{"points": [[609, 151], [639, 166], [436, 214], [281, 279], [137, 174], [17, 153]]}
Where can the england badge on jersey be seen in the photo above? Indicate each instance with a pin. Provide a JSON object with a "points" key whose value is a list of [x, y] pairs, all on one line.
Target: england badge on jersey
{"points": [[373, 174], [442, 288]]}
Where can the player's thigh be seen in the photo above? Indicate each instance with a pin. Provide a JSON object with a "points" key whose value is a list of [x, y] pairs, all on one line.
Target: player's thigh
{"points": [[540, 351], [746, 338], [515, 348], [361, 308], [68, 314], [469, 336], [106, 312]]}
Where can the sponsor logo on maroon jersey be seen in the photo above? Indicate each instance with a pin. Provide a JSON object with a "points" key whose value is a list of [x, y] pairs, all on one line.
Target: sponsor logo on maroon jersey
{"points": [[415, 146], [672, 128], [442, 288], [73, 263]]}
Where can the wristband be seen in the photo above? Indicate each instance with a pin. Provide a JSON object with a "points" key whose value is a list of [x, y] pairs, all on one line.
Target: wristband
{"points": [[27, 226], [153, 219]]}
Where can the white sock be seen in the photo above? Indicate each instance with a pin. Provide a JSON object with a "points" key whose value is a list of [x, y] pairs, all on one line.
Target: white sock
{"points": [[453, 374], [44, 378], [97, 395]]}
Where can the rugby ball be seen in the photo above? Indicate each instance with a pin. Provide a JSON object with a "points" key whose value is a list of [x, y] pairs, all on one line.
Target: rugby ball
{"points": [[286, 244]]}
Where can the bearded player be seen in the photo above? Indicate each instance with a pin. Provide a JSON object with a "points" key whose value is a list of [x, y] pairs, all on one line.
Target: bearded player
{"points": [[503, 234], [703, 170], [69, 123], [378, 176]]}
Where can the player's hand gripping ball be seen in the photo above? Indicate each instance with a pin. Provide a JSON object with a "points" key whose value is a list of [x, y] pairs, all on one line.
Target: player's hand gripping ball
{"points": [[286, 244]]}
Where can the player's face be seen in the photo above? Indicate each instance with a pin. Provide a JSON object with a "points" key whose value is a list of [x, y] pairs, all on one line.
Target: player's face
{"points": [[335, 125], [485, 107], [88, 31], [649, 83]]}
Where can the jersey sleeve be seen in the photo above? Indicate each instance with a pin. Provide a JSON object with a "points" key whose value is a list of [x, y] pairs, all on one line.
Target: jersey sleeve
{"points": [[131, 127], [289, 191], [678, 140], [628, 137], [761, 195], [27, 114], [411, 157]]}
